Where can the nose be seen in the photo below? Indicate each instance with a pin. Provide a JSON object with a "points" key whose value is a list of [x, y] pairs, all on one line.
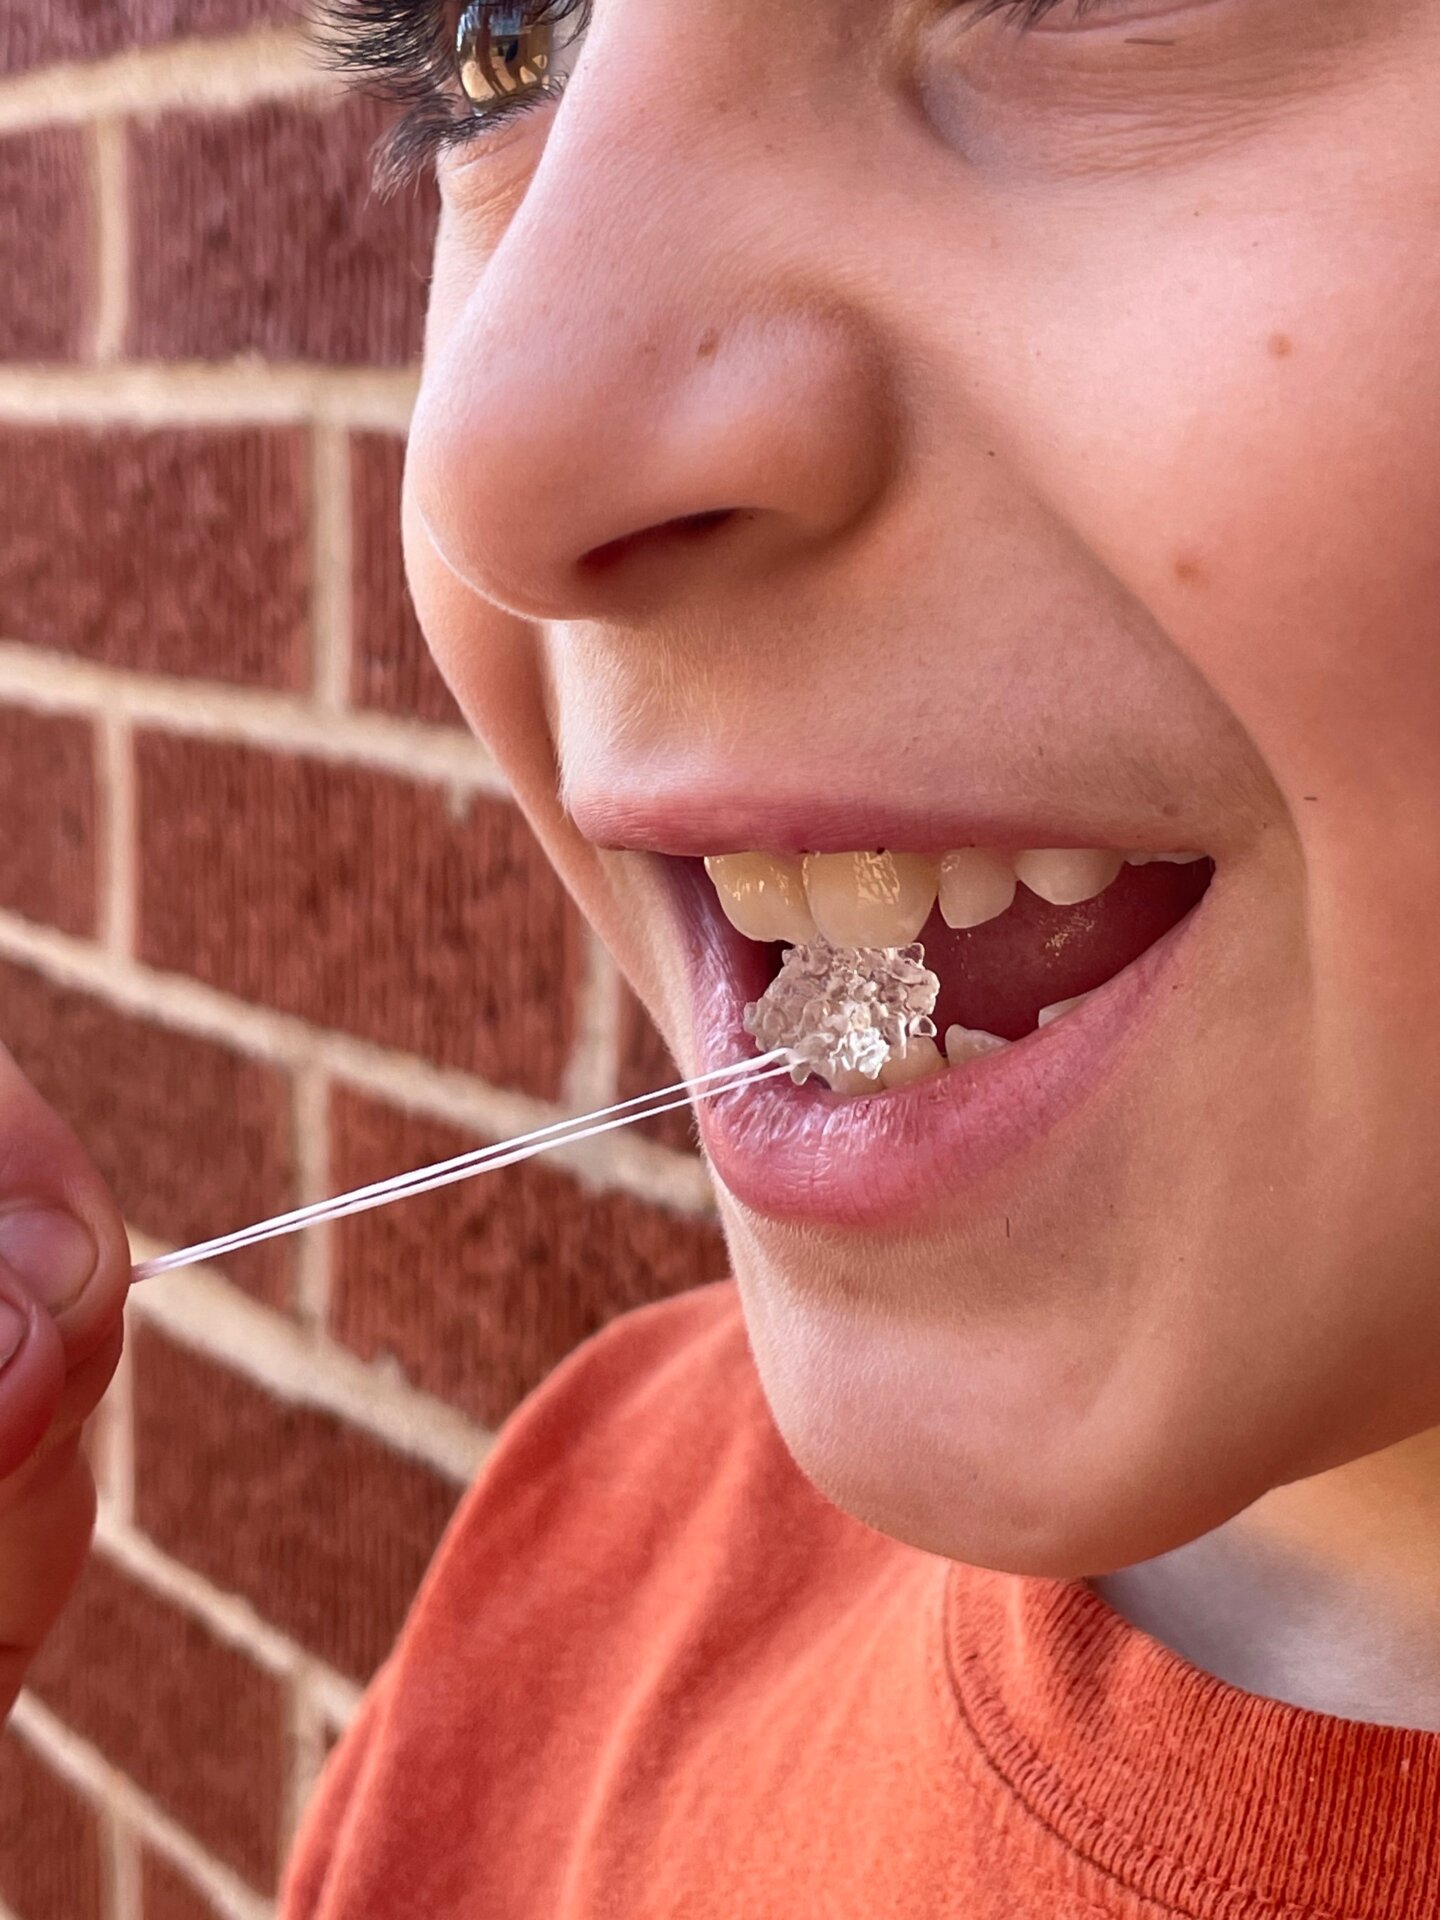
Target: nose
{"points": [[647, 384]]}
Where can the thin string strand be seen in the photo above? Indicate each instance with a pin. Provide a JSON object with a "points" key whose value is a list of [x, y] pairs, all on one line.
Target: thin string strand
{"points": [[504, 1153]]}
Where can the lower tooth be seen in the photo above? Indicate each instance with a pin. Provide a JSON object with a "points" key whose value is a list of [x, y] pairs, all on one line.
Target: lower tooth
{"points": [[919, 1061], [851, 1080], [1047, 1014], [963, 1044]]}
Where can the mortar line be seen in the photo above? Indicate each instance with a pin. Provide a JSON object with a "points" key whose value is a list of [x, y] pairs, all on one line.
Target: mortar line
{"points": [[592, 1074], [197, 1308], [332, 555], [80, 1763], [622, 1159], [222, 72], [231, 1619], [337, 1698], [118, 1492], [117, 757], [315, 1247], [244, 716], [110, 167], [120, 1866], [197, 393], [307, 1755]]}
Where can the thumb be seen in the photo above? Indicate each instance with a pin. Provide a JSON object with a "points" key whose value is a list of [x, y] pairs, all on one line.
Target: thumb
{"points": [[32, 1373]]}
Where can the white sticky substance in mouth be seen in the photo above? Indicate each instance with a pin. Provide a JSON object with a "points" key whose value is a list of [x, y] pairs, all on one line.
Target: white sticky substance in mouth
{"points": [[845, 1009]]}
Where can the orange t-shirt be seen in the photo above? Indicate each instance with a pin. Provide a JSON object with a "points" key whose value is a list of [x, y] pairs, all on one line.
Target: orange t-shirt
{"points": [[654, 1675]]}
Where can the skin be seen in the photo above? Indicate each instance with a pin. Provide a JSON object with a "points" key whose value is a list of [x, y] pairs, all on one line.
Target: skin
{"points": [[1072, 403], [55, 1377], [1098, 374]]}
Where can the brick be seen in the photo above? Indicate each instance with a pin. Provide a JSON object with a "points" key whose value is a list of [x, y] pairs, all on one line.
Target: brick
{"points": [[100, 1441], [175, 551], [46, 244], [49, 1840], [195, 1723], [166, 1894], [360, 900], [192, 1137], [33, 35], [480, 1288], [321, 1527], [645, 1062], [257, 232], [48, 781], [391, 666]]}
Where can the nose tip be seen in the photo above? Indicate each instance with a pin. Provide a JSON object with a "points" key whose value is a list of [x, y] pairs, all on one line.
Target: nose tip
{"points": [[570, 472]]}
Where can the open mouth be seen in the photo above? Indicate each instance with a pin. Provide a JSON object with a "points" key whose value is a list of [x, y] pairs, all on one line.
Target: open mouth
{"points": [[1018, 940], [1048, 1008]]}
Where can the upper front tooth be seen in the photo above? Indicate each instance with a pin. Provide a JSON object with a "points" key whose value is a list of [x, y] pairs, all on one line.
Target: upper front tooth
{"points": [[1066, 875], [976, 884], [870, 899], [763, 894], [850, 1080], [1143, 859]]}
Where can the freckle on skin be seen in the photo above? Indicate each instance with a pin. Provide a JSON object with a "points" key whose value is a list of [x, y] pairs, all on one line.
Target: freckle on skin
{"points": [[1188, 570], [1281, 346], [709, 342]]}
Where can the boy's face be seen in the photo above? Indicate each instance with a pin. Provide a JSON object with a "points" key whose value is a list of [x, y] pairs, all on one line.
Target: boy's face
{"points": [[895, 428]]}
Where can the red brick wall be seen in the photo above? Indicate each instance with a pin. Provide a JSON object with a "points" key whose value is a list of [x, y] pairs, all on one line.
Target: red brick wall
{"points": [[269, 927]]}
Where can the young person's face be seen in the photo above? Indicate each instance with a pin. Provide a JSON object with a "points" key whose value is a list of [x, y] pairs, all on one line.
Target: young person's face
{"points": [[880, 426]]}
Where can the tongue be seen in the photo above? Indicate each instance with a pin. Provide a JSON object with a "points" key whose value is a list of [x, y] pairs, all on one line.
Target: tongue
{"points": [[998, 977]]}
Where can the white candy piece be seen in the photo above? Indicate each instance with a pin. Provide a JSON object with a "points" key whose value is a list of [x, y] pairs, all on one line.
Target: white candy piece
{"points": [[845, 1010]]}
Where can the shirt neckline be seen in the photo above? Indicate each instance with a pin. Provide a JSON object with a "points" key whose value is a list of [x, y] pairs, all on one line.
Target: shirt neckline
{"points": [[1207, 1800]]}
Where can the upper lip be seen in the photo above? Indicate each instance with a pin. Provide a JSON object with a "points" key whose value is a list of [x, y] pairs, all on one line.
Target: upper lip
{"points": [[723, 821]]}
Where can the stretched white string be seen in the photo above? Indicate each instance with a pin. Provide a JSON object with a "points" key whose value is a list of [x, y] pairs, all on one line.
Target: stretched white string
{"points": [[505, 1153]]}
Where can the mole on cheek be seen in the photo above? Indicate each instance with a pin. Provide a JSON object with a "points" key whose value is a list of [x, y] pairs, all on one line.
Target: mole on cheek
{"points": [[1281, 346], [709, 342], [1189, 570]]}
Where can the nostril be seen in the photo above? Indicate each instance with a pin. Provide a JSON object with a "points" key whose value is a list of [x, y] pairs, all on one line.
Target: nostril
{"points": [[686, 528], [701, 522]]}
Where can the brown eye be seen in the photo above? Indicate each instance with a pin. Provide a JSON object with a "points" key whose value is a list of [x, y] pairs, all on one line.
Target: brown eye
{"points": [[502, 51]]}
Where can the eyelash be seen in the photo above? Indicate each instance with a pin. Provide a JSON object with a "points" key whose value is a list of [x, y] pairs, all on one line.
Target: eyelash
{"points": [[404, 50]]}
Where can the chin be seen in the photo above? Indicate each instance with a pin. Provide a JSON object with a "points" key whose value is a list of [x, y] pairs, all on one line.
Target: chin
{"points": [[1012, 1447]]}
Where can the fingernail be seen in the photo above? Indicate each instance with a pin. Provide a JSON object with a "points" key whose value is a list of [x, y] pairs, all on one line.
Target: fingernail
{"points": [[52, 1253], [13, 1328]]}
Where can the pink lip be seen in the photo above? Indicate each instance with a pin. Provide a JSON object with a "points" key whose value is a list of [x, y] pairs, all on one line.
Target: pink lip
{"points": [[806, 1154], [710, 819]]}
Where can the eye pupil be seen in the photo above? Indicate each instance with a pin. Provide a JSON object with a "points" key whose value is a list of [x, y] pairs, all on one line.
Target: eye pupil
{"points": [[500, 52]]}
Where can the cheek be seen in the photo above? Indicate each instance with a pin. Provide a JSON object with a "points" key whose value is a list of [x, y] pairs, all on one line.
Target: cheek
{"points": [[1257, 461], [494, 665], [489, 659]]}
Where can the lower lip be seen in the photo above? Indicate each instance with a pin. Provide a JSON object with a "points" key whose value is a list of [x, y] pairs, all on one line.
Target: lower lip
{"points": [[805, 1154]]}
